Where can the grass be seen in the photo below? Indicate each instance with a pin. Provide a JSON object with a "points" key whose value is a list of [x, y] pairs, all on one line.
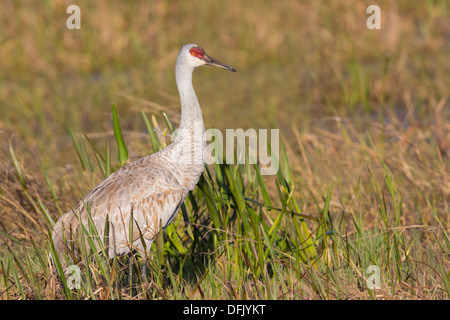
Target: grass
{"points": [[364, 169]]}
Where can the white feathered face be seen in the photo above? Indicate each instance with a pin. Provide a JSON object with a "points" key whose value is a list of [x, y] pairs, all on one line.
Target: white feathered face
{"points": [[198, 57]]}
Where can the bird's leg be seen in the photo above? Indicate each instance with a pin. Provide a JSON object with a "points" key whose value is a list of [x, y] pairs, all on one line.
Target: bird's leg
{"points": [[144, 269], [130, 271]]}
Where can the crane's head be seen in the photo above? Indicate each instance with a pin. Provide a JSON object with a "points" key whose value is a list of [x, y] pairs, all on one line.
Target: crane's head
{"points": [[194, 56]]}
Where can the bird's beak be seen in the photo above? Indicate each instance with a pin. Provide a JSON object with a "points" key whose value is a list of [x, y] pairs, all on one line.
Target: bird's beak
{"points": [[213, 62]]}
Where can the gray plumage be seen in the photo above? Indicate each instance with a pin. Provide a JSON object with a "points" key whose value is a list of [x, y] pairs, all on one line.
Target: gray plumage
{"points": [[150, 190]]}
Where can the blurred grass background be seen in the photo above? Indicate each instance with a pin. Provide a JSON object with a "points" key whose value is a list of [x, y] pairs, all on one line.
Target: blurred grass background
{"points": [[341, 94]]}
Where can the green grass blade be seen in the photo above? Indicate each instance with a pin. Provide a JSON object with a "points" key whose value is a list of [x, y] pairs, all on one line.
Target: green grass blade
{"points": [[47, 216], [262, 187], [210, 201], [17, 167], [58, 267], [169, 123], [16, 277], [77, 148], [122, 148], [155, 141], [52, 190]]}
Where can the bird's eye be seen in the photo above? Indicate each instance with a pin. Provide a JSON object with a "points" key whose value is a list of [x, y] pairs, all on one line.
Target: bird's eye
{"points": [[197, 52]]}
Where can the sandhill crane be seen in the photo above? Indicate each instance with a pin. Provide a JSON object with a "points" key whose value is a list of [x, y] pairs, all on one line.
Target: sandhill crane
{"points": [[148, 192]]}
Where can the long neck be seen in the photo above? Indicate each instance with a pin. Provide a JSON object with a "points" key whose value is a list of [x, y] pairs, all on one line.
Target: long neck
{"points": [[191, 114], [191, 135], [190, 108]]}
